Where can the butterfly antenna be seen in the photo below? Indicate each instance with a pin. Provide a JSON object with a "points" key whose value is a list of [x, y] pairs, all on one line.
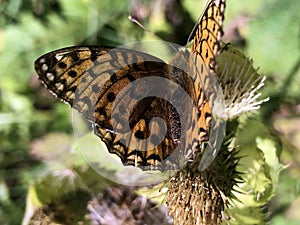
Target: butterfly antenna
{"points": [[149, 31], [140, 25], [192, 34]]}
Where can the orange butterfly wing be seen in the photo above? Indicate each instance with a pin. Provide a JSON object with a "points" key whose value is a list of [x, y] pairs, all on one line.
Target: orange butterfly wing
{"points": [[91, 78], [205, 48]]}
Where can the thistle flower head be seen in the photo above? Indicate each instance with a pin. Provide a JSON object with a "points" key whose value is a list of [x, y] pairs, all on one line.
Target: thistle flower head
{"points": [[239, 81]]}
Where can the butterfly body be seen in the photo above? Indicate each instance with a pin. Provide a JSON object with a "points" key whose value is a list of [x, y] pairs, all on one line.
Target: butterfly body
{"points": [[139, 104]]}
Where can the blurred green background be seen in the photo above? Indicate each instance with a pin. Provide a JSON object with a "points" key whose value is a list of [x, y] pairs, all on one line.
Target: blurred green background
{"points": [[31, 120]]}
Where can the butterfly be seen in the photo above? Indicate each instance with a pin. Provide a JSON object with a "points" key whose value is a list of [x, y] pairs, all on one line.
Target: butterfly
{"points": [[117, 90]]}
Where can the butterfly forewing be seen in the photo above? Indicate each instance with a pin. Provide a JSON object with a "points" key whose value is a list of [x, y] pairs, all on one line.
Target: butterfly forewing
{"points": [[94, 80]]}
